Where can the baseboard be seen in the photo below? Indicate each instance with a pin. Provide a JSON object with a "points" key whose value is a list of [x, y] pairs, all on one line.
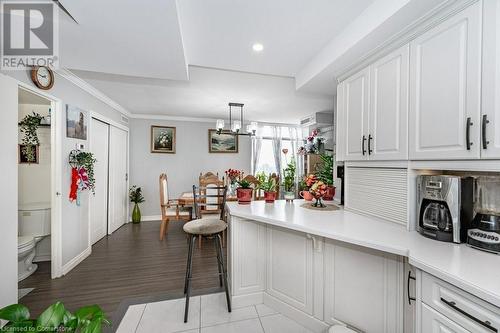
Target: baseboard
{"points": [[242, 301], [76, 260], [300, 317], [42, 257], [149, 218]]}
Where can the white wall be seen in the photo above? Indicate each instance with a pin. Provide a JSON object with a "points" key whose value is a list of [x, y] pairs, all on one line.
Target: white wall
{"points": [[75, 219], [8, 194], [183, 167]]}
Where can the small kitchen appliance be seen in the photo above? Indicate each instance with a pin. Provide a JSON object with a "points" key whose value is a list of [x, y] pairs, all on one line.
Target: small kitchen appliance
{"points": [[445, 207], [484, 233]]}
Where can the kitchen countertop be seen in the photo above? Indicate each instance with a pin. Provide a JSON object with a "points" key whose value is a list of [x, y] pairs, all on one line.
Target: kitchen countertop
{"points": [[475, 271]]}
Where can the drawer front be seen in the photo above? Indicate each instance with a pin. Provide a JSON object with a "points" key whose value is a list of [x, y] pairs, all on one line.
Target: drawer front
{"points": [[434, 322], [461, 307]]}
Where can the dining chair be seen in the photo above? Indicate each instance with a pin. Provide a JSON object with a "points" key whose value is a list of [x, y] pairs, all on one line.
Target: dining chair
{"points": [[277, 180], [208, 227], [170, 209]]}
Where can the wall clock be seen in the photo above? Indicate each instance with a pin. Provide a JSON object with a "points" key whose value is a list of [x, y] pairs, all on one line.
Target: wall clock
{"points": [[42, 77]]}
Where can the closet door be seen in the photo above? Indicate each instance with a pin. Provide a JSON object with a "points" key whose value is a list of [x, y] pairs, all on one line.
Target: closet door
{"points": [[356, 99], [445, 83], [118, 174], [99, 145]]}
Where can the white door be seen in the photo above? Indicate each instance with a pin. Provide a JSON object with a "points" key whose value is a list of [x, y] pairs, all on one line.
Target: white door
{"points": [[490, 117], [363, 288], [99, 145], [118, 194], [356, 99], [434, 322], [445, 83], [388, 135]]}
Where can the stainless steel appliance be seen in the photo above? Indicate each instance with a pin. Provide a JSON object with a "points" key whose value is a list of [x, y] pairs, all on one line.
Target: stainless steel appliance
{"points": [[484, 233], [445, 207]]}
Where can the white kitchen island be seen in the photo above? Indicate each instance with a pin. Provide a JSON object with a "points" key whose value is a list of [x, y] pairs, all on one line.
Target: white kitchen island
{"points": [[328, 267]]}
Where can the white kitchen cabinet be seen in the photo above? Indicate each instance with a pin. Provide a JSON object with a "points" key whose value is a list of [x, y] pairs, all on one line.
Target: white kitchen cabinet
{"points": [[490, 113], [290, 268], [445, 86], [434, 322], [355, 111], [373, 110], [388, 115], [340, 124], [363, 288]]}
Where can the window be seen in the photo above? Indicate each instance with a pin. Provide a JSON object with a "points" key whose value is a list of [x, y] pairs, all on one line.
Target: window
{"points": [[266, 162]]}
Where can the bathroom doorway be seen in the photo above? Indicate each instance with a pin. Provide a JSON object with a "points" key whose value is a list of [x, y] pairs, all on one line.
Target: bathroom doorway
{"points": [[38, 200]]}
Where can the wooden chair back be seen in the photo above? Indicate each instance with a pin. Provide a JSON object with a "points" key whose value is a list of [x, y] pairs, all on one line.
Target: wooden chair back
{"points": [[277, 180], [202, 200], [163, 192], [209, 183]]}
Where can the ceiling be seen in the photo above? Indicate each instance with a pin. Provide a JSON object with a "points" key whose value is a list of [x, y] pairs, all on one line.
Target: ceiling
{"points": [[208, 92], [192, 57]]}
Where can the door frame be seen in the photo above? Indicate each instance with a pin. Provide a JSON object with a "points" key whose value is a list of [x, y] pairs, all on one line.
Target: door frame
{"points": [[110, 122], [56, 181]]}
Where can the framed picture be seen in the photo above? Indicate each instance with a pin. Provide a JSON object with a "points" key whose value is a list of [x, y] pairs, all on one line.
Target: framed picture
{"points": [[76, 123], [163, 139], [23, 158], [226, 142]]}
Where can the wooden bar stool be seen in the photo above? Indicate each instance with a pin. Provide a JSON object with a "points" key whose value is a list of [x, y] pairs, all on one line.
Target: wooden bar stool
{"points": [[210, 227]]}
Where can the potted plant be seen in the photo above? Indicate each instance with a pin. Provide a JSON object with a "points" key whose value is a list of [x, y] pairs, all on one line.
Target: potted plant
{"points": [[289, 181], [55, 318], [233, 175], [325, 174], [244, 192], [135, 195], [268, 185], [28, 126], [305, 185]]}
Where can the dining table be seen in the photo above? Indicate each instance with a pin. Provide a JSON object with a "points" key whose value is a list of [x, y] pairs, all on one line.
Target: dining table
{"points": [[186, 199]]}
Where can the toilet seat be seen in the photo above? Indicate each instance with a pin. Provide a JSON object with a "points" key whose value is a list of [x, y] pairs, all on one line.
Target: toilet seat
{"points": [[24, 242], [340, 329]]}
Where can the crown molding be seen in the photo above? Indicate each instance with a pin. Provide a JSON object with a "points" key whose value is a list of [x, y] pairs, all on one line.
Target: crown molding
{"points": [[84, 85], [175, 118]]}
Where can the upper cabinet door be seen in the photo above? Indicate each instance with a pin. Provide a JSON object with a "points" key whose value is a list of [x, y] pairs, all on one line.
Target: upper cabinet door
{"points": [[356, 98], [388, 134], [490, 116], [445, 89]]}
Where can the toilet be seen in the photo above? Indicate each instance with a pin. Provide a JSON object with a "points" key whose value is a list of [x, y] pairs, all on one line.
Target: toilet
{"points": [[34, 225]]}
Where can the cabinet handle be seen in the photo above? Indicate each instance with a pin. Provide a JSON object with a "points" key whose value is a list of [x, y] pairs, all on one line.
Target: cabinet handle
{"points": [[408, 288], [363, 140], [467, 133], [485, 122], [370, 151], [454, 306]]}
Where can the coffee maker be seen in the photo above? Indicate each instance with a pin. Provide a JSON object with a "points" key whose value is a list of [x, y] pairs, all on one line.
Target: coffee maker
{"points": [[484, 233], [445, 207]]}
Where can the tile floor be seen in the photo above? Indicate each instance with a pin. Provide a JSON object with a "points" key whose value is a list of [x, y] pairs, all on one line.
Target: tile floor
{"points": [[207, 314]]}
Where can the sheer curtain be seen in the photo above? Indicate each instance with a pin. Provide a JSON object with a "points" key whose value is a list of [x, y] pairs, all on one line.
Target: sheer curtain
{"points": [[256, 146], [277, 148], [295, 136]]}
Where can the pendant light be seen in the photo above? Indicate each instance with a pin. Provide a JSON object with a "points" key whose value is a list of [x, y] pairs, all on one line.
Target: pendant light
{"points": [[235, 126]]}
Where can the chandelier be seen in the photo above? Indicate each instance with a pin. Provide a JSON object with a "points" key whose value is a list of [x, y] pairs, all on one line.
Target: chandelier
{"points": [[235, 125]]}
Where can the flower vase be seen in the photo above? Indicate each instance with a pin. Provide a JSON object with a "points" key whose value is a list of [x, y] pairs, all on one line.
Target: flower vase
{"points": [[232, 189], [136, 214], [318, 203]]}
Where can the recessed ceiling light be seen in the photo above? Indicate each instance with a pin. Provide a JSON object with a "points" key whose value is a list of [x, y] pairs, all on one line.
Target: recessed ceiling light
{"points": [[258, 47]]}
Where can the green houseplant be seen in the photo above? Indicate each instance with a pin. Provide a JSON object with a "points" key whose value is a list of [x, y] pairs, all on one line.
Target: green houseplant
{"points": [[289, 180], [325, 174], [135, 195], [55, 318], [268, 185], [244, 192], [87, 161], [28, 126]]}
